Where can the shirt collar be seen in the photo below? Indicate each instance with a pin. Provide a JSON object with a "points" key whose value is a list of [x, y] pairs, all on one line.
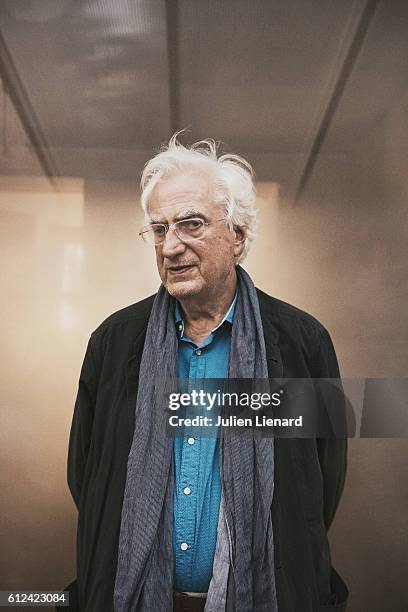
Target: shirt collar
{"points": [[178, 317]]}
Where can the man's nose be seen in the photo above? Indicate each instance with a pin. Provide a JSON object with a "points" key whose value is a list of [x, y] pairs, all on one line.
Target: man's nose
{"points": [[172, 244]]}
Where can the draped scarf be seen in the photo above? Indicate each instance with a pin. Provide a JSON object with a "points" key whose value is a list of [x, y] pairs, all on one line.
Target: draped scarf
{"points": [[144, 576]]}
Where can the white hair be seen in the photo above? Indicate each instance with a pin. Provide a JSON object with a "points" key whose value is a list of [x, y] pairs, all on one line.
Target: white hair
{"points": [[233, 178]]}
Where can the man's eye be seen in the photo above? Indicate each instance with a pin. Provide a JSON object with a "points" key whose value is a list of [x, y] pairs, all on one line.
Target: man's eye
{"points": [[192, 224], [158, 230]]}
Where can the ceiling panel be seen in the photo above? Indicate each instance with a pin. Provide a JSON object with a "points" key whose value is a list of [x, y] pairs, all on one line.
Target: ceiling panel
{"points": [[95, 72], [258, 76], [379, 77], [355, 155], [255, 73]]}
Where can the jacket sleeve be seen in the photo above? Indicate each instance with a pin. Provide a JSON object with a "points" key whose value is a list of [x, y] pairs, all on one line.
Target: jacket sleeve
{"points": [[81, 428], [332, 450]]}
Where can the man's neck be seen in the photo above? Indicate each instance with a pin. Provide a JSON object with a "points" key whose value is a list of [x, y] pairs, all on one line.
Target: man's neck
{"points": [[202, 316]]}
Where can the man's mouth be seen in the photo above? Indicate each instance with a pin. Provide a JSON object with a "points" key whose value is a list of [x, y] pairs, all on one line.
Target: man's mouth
{"points": [[180, 269]]}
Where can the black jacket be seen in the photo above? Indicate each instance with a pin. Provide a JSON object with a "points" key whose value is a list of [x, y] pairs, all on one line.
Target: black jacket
{"points": [[309, 473]]}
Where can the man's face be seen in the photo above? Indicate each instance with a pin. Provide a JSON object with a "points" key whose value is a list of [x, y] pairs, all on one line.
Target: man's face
{"points": [[201, 267]]}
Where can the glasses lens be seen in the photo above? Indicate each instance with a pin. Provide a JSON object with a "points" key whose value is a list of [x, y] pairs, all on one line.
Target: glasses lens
{"points": [[153, 234], [190, 229]]}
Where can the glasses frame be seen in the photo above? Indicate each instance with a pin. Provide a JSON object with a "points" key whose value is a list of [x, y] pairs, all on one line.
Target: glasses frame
{"points": [[167, 226]]}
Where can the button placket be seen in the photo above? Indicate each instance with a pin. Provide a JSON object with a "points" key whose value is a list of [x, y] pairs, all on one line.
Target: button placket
{"points": [[188, 479]]}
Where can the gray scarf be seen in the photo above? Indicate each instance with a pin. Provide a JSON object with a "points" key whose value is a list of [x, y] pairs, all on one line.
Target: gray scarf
{"points": [[144, 578]]}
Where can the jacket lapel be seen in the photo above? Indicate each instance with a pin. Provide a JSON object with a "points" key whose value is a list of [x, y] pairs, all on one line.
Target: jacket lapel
{"points": [[271, 335], [132, 378]]}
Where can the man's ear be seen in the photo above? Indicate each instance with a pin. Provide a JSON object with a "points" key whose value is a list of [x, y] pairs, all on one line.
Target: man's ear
{"points": [[240, 235]]}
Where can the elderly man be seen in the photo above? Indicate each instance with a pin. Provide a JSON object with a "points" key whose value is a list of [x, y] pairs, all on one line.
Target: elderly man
{"points": [[189, 522]]}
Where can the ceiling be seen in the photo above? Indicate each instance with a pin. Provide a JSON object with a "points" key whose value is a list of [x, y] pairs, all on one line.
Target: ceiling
{"points": [[99, 85]]}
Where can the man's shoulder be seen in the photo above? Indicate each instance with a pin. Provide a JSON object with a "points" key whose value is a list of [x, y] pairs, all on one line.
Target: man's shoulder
{"points": [[134, 316], [298, 333], [276, 309]]}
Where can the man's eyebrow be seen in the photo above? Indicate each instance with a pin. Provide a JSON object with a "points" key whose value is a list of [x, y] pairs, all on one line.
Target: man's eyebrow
{"points": [[184, 214], [188, 214]]}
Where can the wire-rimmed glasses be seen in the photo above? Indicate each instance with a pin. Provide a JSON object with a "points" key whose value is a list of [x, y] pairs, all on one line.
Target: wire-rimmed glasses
{"points": [[186, 230]]}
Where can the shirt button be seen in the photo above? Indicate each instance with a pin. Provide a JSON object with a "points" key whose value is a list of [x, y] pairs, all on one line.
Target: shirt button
{"points": [[180, 327], [186, 490], [191, 440], [184, 546], [198, 351]]}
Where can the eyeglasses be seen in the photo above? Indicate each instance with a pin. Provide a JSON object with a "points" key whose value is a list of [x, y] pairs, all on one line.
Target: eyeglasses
{"points": [[187, 230]]}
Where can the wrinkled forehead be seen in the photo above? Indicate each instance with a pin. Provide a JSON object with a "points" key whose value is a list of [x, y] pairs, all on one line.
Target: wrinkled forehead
{"points": [[182, 195]]}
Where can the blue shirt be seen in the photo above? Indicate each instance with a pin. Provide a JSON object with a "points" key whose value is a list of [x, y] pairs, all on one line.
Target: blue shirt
{"points": [[197, 490]]}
